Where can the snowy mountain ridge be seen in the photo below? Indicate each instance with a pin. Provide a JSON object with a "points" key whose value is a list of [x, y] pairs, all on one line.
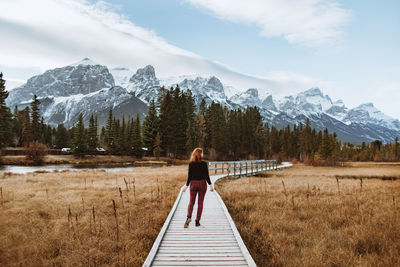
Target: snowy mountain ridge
{"points": [[92, 88]]}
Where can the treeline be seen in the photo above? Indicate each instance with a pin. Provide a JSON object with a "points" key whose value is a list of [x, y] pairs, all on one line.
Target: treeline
{"points": [[174, 126], [241, 134]]}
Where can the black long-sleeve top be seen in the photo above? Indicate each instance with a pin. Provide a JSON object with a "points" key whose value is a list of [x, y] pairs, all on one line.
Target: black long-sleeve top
{"points": [[198, 171]]}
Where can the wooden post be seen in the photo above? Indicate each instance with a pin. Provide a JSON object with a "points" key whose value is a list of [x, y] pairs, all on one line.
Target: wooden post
{"points": [[240, 169], [247, 173], [215, 167], [251, 164], [234, 169], [222, 167]]}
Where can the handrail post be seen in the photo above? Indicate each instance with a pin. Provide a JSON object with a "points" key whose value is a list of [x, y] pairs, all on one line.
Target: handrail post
{"points": [[216, 167], [234, 169], [251, 164], [222, 167], [240, 169], [247, 173]]}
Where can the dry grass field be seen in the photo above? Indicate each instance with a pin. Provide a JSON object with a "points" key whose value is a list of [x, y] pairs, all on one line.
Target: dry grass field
{"points": [[319, 216], [69, 219]]}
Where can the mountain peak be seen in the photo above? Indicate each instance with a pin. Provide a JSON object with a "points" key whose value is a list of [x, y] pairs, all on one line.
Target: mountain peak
{"points": [[85, 61], [147, 72], [252, 91], [366, 105], [315, 91]]}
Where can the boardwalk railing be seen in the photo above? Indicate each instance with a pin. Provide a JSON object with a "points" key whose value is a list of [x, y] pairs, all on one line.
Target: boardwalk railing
{"points": [[239, 168]]}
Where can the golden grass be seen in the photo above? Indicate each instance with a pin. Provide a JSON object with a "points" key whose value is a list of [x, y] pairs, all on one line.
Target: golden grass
{"points": [[68, 219], [304, 216]]}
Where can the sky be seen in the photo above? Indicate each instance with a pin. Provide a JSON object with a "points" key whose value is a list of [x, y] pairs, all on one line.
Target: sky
{"points": [[349, 49]]}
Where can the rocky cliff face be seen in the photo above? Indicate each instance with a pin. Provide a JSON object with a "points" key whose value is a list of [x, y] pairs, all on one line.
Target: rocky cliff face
{"points": [[83, 87]]}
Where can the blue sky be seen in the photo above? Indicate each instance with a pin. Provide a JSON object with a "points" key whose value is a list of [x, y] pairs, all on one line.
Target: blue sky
{"points": [[351, 51], [367, 54]]}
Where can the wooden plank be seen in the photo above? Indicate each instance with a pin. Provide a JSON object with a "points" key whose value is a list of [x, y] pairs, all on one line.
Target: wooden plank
{"points": [[236, 253], [199, 263], [203, 258]]}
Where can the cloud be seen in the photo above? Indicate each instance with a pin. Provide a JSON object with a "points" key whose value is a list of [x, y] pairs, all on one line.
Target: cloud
{"points": [[44, 34], [306, 22]]}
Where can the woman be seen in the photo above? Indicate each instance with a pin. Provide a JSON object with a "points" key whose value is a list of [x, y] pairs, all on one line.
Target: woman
{"points": [[198, 178]]}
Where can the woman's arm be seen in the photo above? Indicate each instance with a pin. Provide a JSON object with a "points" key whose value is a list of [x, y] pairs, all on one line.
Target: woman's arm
{"points": [[189, 175], [206, 174]]}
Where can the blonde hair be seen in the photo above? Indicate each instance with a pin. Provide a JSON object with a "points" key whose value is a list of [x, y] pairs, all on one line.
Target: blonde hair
{"points": [[197, 155]]}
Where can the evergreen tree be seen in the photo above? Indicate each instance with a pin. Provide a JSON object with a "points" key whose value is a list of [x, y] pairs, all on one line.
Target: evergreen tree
{"points": [[157, 147], [115, 147], [17, 121], [36, 129], [103, 136], [166, 128], [79, 141], [26, 135], [325, 148], [396, 149], [180, 122], [92, 138], [48, 135], [61, 137], [201, 124], [150, 127], [109, 136], [124, 137], [137, 143], [5, 116]]}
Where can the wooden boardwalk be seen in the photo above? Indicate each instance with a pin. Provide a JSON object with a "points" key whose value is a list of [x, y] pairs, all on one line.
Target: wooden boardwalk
{"points": [[216, 242]]}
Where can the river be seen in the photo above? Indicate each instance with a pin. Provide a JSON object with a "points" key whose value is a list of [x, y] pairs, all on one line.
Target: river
{"points": [[61, 167]]}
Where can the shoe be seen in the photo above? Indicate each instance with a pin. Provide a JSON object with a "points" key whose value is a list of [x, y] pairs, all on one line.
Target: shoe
{"points": [[197, 223], [188, 220]]}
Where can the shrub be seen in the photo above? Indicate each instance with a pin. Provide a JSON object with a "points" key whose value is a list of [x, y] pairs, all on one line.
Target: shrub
{"points": [[35, 152]]}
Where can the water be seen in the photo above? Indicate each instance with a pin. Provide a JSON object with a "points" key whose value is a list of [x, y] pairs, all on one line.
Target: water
{"points": [[51, 168]]}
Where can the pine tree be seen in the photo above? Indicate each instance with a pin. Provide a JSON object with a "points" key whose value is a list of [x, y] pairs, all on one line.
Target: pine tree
{"points": [[157, 147], [61, 137], [92, 135], [48, 135], [137, 143], [396, 148], [17, 120], [80, 142], [26, 135], [192, 130], [166, 122], [180, 122], [36, 132], [150, 127], [109, 137], [124, 137], [325, 148], [115, 147], [5, 116], [201, 124]]}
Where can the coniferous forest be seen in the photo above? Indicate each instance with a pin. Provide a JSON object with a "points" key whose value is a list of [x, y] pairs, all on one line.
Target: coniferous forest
{"points": [[174, 126]]}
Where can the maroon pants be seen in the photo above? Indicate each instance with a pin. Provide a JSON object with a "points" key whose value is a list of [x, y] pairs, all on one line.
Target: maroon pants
{"points": [[200, 187]]}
